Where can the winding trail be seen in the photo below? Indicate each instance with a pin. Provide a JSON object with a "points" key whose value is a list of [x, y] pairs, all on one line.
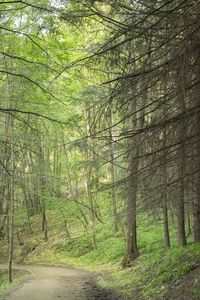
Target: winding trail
{"points": [[51, 283]]}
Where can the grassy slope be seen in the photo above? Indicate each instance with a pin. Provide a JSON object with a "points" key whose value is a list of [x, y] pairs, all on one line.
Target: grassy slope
{"points": [[150, 276]]}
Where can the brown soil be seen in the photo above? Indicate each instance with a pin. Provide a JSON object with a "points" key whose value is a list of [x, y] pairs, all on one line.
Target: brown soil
{"points": [[187, 288], [51, 283]]}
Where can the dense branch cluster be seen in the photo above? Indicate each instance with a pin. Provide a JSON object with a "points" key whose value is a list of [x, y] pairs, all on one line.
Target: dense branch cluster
{"points": [[154, 48]]}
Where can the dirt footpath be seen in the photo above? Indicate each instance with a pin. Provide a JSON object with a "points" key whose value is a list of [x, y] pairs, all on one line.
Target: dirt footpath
{"points": [[51, 283]]}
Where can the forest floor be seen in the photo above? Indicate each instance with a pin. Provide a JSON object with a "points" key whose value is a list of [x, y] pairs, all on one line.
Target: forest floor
{"points": [[187, 288], [50, 283], [157, 274]]}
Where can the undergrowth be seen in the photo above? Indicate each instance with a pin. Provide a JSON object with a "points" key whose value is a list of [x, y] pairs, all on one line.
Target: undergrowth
{"points": [[18, 276], [150, 275]]}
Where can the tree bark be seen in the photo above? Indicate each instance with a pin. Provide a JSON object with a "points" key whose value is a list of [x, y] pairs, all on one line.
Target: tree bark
{"points": [[181, 154], [113, 170]]}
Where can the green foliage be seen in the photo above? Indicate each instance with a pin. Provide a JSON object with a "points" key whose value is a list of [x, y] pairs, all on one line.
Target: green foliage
{"points": [[110, 251], [18, 276], [151, 274], [76, 247], [196, 289], [166, 266], [53, 160]]}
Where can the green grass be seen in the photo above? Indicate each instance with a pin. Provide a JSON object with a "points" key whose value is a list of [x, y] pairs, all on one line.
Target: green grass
{"points": [[18, 276], [149, 277], [151, 273], [196, 289]]}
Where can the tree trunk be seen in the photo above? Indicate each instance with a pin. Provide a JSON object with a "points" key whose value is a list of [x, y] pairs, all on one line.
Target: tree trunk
{"points": [[88, 182], [134, 151], [181, 154], [113, 170]]}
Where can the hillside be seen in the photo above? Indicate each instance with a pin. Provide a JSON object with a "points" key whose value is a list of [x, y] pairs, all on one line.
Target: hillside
{"points": [[156, 274]]}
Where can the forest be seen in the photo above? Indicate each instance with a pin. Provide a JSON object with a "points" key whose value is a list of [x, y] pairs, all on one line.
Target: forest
{"points": [[100, 149]]}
